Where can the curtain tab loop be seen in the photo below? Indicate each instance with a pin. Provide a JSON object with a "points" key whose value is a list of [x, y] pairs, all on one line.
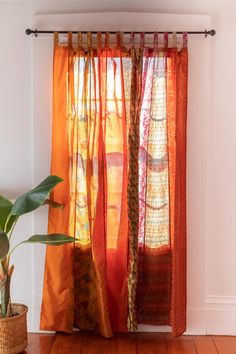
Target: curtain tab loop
{"points": [[79, 40], [132, 39], [185, 40], [118, 39], [174, 37], [155, 40], [99, 39], [56, 39], [122, 39], [142, 39], [89, 39], [69, 39], [165, 39], [107, 39]]}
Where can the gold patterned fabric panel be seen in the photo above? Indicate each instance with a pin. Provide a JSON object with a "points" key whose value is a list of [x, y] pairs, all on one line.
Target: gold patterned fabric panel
{"points": [[133, 184]]}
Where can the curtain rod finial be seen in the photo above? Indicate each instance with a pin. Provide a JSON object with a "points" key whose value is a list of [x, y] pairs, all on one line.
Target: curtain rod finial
{"points": [[29, 31], [212, 32]]}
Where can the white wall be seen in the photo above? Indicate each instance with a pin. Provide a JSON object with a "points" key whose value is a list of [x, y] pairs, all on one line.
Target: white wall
{"points": [[221, 240], [25, 142]]}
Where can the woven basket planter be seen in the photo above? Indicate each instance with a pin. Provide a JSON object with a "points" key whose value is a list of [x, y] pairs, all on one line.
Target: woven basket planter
{"points": [[13, 331]]}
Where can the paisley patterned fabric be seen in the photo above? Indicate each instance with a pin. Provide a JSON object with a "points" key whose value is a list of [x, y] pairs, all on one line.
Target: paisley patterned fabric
{"points": [[119, 142], [86, 305], [133, 183]]}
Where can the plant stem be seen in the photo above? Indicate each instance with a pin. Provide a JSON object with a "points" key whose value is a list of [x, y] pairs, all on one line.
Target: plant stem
{"points": [[9, 237], [8, 218], [13, 249], [12, 229], [5, 292]]}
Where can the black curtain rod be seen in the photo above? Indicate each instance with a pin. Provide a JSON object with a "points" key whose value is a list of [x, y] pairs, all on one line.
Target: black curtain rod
{"points": [[29, 31]]}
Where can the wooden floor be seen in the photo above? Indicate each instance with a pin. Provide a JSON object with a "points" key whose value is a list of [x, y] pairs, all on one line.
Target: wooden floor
{"points": [[139, 343]]}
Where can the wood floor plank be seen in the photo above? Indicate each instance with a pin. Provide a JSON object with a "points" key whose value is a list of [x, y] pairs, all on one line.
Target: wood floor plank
{"points": [[181, 345], [205, 344], [95, 344], [39, 343], [139, 343], [125, 343], [225, 344], [67, 344], [151, 343]]}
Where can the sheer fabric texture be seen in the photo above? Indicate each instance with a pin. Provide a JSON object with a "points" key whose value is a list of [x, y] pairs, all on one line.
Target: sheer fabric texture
{"points": [[119, 143]]}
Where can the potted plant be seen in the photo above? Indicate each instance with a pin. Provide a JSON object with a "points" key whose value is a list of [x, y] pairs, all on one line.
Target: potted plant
{"points": [[13, 324]]}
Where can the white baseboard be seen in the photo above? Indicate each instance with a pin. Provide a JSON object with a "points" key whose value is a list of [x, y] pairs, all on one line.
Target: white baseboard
{"points": [[221, 315]]}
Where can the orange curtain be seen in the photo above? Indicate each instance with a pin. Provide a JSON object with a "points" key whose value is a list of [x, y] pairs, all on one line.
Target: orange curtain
{"points": [[58, 298], [119, 143]]}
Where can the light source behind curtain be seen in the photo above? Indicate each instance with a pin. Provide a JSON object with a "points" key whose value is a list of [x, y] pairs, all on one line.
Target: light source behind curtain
{"points": [[119, 142]]}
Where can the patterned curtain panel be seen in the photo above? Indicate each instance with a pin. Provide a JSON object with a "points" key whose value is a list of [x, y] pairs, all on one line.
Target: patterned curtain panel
{"points": [[119, 142]]}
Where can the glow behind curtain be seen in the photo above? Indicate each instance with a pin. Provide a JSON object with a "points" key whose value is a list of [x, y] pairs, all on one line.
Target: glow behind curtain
{"points": [[119, 136]]}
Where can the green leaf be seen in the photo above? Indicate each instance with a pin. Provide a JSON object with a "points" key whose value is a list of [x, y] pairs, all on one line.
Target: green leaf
{"points": [[5, 208], [51, 239], [4, 245], [35, 197]]}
